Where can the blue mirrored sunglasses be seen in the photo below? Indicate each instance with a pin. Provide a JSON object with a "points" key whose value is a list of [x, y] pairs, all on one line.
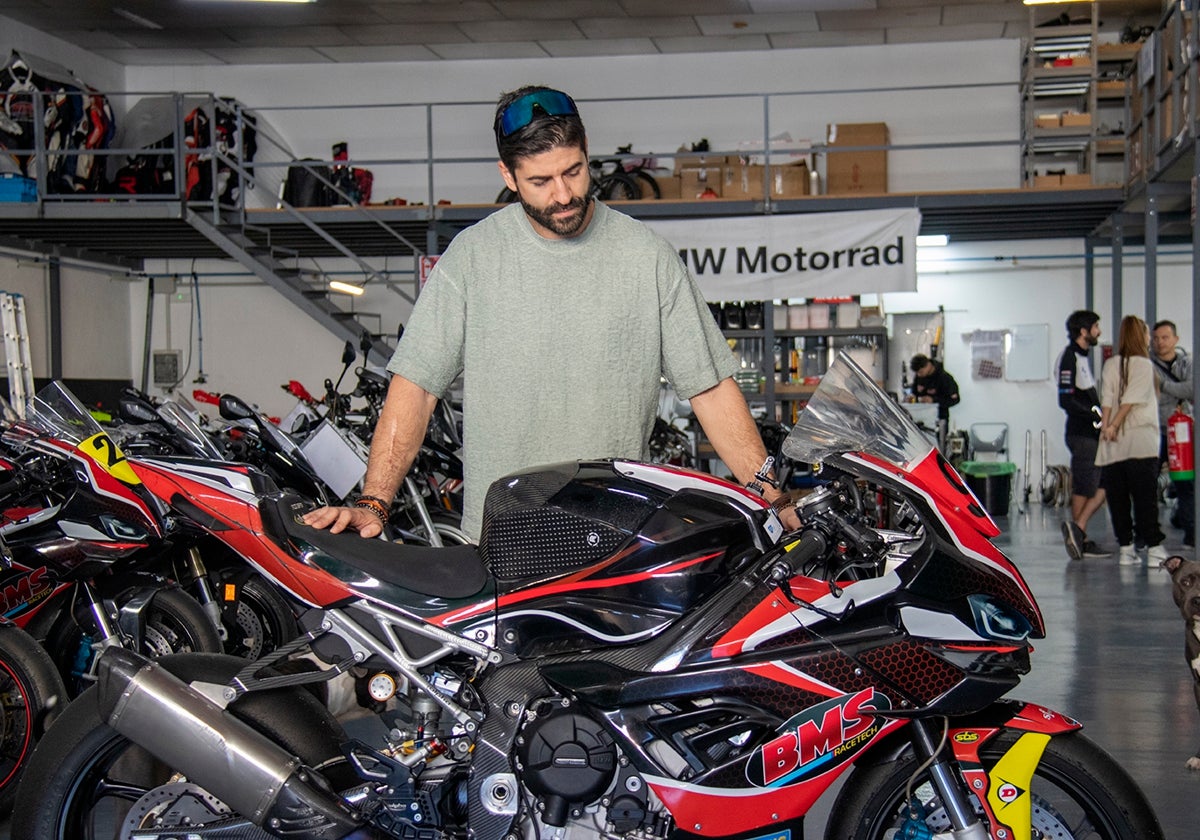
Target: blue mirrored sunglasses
{"points": [[520, 112]]}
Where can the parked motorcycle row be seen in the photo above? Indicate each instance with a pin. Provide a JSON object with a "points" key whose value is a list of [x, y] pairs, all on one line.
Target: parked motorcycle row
{"points": [[633, 650]]}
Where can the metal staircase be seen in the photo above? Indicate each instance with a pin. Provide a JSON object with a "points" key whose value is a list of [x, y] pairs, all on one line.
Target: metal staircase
{"points": [[303, 287], [250, 246]]}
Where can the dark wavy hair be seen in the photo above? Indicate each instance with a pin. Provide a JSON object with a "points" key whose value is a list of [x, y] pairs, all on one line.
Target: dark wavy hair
{"points": [[542, 135], [1080, 319]]}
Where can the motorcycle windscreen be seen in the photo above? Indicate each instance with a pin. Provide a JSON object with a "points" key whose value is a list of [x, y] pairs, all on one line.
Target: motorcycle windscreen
{"points": [[849, 412]]}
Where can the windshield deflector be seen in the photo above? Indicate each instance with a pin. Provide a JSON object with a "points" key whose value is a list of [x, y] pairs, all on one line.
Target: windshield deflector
{"points": [[850, 413], [56, 410]]}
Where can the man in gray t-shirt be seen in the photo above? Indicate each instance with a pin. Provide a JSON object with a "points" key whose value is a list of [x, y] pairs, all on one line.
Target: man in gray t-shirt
{"points": [[562, 315]]}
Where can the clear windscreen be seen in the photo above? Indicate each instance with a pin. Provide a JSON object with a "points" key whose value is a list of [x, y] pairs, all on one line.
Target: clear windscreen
{"points": [[850, 413], [55, 410]]}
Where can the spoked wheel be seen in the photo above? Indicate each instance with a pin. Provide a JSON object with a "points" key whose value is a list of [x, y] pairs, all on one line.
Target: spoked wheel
{"points": [[94, 784], [1078, 793]]}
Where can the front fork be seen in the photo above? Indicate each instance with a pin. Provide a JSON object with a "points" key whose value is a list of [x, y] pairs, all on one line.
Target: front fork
{"points": [[948, 781]]}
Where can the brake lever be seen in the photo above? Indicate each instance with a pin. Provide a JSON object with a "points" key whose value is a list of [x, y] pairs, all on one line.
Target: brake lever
{"points": [[786, 588]]}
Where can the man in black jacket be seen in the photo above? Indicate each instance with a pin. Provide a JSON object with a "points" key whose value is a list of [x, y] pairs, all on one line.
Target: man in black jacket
{"points": [[933, 384], [1078, 397]]}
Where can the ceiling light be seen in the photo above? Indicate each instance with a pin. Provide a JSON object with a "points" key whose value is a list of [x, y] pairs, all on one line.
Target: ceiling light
{"points": [[933, 240], [1052, 2], [338, 285], [145, 23], [261, 1]]}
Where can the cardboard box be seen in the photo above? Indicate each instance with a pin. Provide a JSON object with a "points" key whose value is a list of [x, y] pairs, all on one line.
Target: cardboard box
{"points": [[687, 159], [694, 181], [784, 151], [1041, 182], [1073, 119], [669, 186], [859, 171], [1048, 120], [1074, 181], [745, 181]]}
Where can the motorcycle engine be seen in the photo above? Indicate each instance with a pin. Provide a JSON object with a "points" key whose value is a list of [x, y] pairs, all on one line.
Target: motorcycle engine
{"points": [[568, 761]]}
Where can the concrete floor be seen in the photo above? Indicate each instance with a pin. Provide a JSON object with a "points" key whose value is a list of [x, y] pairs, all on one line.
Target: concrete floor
{"points": [[1113, 659]]}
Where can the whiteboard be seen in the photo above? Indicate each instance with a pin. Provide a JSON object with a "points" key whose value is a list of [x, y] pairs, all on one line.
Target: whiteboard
{"points": [[1027, 353]]}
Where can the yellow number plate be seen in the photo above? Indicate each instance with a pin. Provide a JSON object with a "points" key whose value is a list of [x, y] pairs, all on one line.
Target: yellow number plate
{"points": [[110, 458]]}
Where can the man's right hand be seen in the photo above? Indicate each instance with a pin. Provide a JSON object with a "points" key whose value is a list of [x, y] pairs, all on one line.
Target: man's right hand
{"points": [[338, 519]]}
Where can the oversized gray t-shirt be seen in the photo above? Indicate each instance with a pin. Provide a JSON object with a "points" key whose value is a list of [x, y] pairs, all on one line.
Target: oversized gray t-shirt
{"points": [[561, 342]]}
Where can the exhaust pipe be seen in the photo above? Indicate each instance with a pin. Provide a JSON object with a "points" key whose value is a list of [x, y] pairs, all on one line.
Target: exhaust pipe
{"points": [[243, 768]]}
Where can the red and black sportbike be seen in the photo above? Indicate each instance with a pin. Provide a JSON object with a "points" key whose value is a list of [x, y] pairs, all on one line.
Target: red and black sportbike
{"points": [[633, 651], [87, 544]]}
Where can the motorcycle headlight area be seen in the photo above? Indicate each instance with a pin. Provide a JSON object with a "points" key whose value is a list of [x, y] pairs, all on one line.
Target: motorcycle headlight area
{"points": [[994, 620], [990, 620]]}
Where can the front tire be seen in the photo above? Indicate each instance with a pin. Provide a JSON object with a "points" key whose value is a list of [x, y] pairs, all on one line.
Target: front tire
{"points": [[85, 777], [31, 696], [1078, 792]]}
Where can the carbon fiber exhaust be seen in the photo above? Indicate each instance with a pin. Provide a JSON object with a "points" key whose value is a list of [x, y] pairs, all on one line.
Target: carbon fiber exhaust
{"points": [[243, 768]]}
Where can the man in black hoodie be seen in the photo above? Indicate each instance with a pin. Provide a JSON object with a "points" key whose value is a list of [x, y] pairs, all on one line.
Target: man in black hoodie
{"points": [[1078, 397], [933, 384]]}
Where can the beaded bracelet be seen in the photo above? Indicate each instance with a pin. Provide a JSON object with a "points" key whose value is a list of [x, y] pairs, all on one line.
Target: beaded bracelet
{"points": [[783, 503], [372, 504]]}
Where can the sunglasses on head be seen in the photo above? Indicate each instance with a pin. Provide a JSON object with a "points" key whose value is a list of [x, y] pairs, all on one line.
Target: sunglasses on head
{"points": [[521, 112]]}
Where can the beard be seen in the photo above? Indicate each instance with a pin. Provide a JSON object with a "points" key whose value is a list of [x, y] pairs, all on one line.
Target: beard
{"points": [[545, 216], [1092, 340]]}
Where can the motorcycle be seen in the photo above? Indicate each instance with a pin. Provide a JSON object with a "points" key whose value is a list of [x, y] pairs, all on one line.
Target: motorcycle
{"points": [[251, 616], [87, 545], [633, 651]]}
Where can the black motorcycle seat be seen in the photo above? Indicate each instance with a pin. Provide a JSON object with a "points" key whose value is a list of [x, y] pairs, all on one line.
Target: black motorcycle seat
{"points": [[451, 572]]}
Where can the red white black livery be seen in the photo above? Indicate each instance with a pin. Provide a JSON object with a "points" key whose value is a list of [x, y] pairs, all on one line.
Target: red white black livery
{"points": [[631, 652]]}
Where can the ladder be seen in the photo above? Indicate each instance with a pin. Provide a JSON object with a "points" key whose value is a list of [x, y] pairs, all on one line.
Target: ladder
{"points": [[16, 351]]}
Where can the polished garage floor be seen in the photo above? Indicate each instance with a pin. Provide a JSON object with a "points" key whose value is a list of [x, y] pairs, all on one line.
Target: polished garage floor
{"points": [[1113, 658]]}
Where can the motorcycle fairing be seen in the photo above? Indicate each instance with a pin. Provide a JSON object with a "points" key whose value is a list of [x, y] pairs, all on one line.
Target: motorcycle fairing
{"points": [[223, 496], [1003, 789], [931, 478]]}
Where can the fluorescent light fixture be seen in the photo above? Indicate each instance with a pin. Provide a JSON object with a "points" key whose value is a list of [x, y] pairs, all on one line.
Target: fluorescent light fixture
{"points": [[933, 240], [259, 1], [145, 23], [345, 288], [1052, 2]]}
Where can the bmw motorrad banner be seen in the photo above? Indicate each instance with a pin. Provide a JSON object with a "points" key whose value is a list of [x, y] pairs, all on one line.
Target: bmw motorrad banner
{"points": [[798, 256]]}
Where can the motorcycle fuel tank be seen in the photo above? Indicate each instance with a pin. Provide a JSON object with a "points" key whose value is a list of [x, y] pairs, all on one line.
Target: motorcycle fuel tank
{"points": [[609, 553]]}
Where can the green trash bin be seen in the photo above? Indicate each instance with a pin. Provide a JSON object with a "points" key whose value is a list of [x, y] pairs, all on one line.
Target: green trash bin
{"points": [[991, 481]]}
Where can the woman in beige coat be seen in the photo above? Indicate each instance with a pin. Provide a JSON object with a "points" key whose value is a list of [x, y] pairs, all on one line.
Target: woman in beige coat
{"points": [[1128, 451]]}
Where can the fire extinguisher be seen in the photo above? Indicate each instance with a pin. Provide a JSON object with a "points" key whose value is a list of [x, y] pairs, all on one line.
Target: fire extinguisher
{"points": [[1180, 452]]}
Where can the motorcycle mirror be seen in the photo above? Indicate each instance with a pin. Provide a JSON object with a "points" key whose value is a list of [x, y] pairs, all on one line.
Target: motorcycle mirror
{"points": [[348, 354], [134, 410], [365, 344], [235, 408]]}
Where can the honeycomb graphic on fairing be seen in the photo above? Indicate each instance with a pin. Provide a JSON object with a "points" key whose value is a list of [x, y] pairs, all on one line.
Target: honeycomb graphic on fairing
{"points": [[950, 581], [913, 669]]}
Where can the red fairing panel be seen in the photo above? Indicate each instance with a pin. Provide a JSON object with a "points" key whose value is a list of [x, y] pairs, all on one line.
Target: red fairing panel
{"points": [[245, 534], [972, 532]]}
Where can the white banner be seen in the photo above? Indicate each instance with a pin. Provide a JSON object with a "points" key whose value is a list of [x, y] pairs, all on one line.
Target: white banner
{"points": [[798, 256]]}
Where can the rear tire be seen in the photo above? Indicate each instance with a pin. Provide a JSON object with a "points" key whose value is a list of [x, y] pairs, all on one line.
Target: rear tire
{"points": [[85, 776], [31, 696], [264, 620], [1078, 790]]}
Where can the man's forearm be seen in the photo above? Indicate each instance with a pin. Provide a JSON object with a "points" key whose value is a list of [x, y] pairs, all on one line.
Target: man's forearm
{"points": [[726, 420], [397, 437]]}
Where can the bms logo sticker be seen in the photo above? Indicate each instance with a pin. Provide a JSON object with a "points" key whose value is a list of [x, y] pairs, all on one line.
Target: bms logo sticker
{"points": [[818, 738]]}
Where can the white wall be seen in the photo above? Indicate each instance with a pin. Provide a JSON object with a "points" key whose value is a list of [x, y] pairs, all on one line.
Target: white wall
{"points": [[977, 102], [96, 318], [100, 73]]}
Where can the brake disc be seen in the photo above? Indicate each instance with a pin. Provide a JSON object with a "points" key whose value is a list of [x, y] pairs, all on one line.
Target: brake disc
{"points": [[163, 811]]}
